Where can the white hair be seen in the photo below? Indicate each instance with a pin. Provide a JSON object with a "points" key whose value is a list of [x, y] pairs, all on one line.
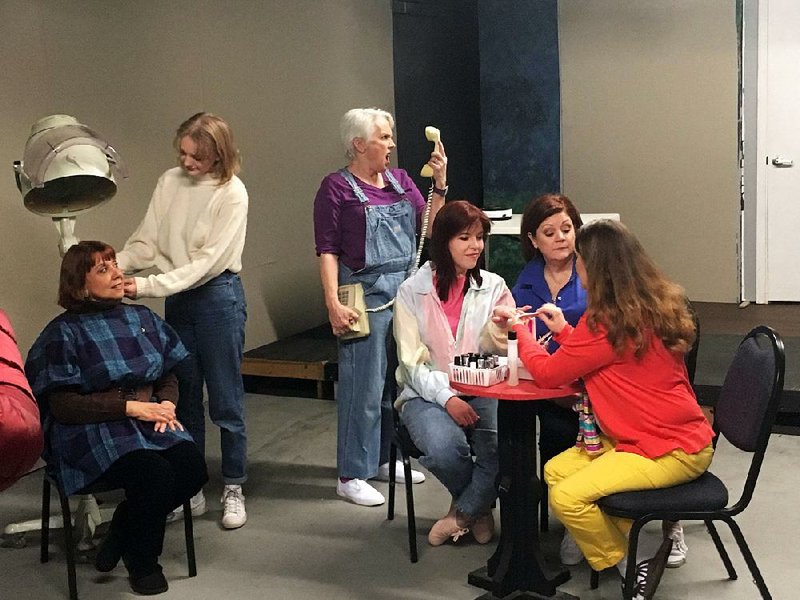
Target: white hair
{"points": [[359, 123]]}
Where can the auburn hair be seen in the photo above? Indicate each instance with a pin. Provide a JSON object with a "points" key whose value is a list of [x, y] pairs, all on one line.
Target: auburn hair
{"points": [[454, 218]]}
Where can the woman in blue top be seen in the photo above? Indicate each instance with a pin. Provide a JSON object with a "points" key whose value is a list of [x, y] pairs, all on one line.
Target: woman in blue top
{"points": [[547, 238], [102, 375]]}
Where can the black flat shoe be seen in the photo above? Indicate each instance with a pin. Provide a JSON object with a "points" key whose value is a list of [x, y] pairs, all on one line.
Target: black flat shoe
{"points": [[149, 585], [109, 552]]}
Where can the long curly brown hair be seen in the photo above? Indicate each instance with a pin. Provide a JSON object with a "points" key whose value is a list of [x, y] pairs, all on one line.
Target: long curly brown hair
{"points": [[628, 294]]}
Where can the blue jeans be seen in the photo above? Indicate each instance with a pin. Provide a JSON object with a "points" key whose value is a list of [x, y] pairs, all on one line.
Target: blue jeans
{"points": [[210, 322], [447, 450]]}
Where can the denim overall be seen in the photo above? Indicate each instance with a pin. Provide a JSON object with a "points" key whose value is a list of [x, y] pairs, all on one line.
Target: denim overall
{"points": [[363, 400]]}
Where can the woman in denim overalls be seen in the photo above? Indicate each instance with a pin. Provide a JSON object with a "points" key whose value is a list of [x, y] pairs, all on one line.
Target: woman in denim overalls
{"points": [[365, 221]]}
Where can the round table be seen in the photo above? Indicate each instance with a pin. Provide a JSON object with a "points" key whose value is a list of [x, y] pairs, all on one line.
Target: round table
{"points": [[517, 566]]}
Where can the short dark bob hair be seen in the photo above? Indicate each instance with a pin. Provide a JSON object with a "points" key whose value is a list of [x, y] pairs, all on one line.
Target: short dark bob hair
{"points": [[77, 262], [537, 211]]}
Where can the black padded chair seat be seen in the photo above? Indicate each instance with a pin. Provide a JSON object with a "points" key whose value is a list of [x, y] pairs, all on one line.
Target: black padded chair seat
{"points": [[706, 492]]}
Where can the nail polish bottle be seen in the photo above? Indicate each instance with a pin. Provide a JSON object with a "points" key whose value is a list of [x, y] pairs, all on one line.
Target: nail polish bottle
{"points": [[513, 358]]}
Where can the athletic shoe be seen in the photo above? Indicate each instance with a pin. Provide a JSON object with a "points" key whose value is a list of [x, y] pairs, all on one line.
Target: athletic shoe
{"points": [[233, 513], [677, 556], [399, 473], [649, 572], [359, 492], [198, 504]]}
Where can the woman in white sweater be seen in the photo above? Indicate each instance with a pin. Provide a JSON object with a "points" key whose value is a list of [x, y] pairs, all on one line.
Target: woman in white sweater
{"points": [[194, 233]]}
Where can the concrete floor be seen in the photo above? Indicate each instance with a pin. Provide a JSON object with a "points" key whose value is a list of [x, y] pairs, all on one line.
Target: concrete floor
{"points": [[302, 542]]}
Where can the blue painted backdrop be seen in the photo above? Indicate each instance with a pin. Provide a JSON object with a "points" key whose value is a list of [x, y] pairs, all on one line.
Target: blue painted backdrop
{"points": [[520, 111]]}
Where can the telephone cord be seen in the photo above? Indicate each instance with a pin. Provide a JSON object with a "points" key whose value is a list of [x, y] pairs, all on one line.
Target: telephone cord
{"points": [[423, 232]]}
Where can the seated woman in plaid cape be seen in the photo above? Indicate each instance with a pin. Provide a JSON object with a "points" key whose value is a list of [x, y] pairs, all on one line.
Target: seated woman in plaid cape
{"points": [[102, 375]]}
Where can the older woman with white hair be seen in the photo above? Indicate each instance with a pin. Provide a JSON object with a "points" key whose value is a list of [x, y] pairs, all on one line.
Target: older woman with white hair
{"points": [[366, 217]]}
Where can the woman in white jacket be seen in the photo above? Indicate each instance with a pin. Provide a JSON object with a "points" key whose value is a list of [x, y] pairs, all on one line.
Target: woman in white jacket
{"points": [[445, 310]]}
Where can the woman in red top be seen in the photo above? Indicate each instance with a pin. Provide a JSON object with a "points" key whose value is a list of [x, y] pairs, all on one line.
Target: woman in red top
{"points": [[628, 348]]}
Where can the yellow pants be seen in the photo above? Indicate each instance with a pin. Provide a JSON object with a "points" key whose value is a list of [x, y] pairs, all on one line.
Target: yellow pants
{"points": [[577, 480]]}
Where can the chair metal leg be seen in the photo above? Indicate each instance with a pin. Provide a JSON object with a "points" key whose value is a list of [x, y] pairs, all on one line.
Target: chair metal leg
{"points": [[69, 546], [723, 553], [543, 508], [412, 520], [188, 529], [758, 579], [630, 571], [44, 543], [392, 462], [594, 580]]}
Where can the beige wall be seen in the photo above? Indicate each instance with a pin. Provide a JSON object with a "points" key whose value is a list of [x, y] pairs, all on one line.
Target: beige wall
{"points": [[649, 129], [282, 73]]}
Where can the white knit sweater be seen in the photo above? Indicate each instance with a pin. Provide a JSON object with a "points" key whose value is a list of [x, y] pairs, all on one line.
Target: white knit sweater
{"points": [[194, 229]]}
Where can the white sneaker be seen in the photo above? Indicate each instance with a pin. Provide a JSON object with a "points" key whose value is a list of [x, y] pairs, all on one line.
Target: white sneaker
{"points": [[677, 556], [233, 513], [198, 504], [649, 572], [360, 492], [399, 473], [569, 552]]}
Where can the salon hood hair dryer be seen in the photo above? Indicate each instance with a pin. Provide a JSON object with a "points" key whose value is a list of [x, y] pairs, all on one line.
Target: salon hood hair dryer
{"points": [[67, 169]]}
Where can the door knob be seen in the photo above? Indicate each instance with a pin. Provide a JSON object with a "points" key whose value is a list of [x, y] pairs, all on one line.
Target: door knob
{"points": [[782, 162]]}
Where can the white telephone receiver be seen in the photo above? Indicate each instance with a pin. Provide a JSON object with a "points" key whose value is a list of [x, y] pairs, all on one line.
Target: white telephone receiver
{"points": [[433, 135]]}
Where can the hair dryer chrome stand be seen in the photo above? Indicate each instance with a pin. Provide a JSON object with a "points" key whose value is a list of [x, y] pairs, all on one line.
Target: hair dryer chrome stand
{"points": [[67, 170]]}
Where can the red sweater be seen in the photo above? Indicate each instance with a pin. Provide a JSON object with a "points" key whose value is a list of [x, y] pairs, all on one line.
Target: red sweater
{"points": [[646, 405]]}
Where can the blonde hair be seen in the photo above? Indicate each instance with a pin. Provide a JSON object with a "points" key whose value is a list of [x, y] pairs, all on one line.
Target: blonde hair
{"points": [[628, 294], [212, 135], [359, 123]]}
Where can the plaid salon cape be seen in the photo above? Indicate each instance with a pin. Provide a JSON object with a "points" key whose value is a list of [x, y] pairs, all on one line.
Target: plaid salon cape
{"points": [[124, 346]]}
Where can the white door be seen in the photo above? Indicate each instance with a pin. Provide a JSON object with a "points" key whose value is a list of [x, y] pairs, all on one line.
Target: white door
{"points": [[779, 106]]}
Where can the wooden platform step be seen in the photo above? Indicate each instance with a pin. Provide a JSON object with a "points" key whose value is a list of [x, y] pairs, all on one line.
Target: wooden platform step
{"points": [[308, 355]]}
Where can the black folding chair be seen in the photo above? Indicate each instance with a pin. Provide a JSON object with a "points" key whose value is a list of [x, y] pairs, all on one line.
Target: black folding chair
{"points": [[69, 538], [401, 440], [745, 413]]}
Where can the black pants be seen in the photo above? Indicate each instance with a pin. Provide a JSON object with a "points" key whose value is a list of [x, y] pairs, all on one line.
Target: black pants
{"points": [[155, 483], [558, 429]]}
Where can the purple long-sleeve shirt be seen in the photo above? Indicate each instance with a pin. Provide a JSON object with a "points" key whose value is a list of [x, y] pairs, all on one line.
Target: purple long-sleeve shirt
{"points": [[339, 220]]}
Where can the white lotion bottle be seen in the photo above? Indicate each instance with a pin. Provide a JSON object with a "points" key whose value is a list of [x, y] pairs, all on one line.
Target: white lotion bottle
{"points": [[513, 359]]}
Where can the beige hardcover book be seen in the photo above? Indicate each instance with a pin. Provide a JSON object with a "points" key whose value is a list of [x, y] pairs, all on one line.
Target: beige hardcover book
{"points": [[352, 296]]}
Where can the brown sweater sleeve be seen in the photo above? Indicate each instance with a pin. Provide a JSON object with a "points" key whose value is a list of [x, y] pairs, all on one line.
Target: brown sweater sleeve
{"points": [[166, 388], [73, 408]]}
